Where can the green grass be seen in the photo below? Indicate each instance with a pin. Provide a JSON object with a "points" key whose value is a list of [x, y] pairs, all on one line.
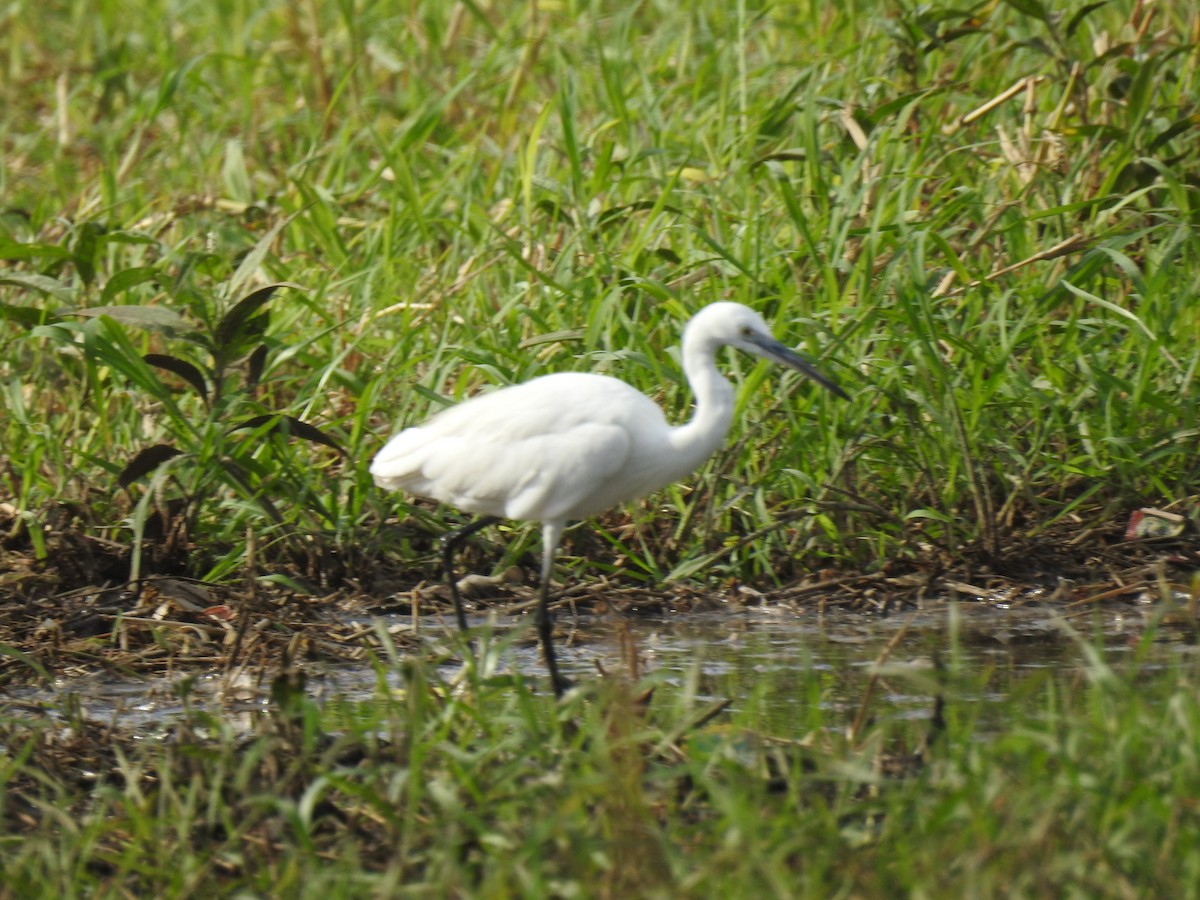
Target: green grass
{"points": [[470, 198], [457, 196]]}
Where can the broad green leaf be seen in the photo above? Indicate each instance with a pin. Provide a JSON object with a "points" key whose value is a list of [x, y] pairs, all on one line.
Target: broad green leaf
{"points": [[155, 318], [107, 342], [255, 366], [10, 249], [125, 279], [289, 426], [145, 462], [1029, 8], [1084, 11], [86, 250], [182, 368], [27, 316], [233, 324], [43, 284]]}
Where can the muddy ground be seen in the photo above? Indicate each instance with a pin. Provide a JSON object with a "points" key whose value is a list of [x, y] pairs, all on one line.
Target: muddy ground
{"points": [[74, 612]]}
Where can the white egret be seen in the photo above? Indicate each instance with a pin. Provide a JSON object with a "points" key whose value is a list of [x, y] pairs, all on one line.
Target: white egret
{"points": [[570, 445]]}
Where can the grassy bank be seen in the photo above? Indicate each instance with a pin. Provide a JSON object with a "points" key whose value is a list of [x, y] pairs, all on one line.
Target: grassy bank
{"points": [[466, 198]]}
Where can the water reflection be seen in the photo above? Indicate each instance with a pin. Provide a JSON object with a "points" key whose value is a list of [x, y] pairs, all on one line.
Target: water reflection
{"points": [[766, 657], [763, 659]]}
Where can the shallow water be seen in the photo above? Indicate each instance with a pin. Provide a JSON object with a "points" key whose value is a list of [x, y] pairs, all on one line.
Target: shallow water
{"points": [[760, 658], [764, 657]]}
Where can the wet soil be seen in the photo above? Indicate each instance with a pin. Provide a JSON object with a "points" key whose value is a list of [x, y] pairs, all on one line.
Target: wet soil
{"points": [[73, 613]]}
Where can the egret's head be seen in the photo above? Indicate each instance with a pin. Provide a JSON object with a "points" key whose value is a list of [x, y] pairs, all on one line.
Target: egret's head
{"points": [[740, 326]]}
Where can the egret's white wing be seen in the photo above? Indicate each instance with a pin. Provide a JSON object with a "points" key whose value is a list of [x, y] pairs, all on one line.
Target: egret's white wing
{"points": [[538, 450], [549, 476]]}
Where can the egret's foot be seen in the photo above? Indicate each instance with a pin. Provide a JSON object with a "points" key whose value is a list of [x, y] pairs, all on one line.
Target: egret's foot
{"points": [[561, 685]]}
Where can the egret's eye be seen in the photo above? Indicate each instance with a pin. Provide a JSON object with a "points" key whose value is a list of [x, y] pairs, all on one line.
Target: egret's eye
{"points": [[747, 331]]}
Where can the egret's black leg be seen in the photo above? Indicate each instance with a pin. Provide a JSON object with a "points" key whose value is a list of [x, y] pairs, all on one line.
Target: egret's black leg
{"points": [[544, 620], [545, 627], [450, 542]]}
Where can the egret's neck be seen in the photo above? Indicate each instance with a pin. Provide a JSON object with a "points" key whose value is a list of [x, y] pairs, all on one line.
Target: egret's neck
{"points": [[696, 440]]}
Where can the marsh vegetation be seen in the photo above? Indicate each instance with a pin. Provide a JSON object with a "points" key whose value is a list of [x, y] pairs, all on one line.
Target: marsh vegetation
{"points": [[241, 244]]}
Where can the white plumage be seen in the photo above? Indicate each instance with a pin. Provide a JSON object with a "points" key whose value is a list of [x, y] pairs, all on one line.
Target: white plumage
{"points": [[567, 446]]}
